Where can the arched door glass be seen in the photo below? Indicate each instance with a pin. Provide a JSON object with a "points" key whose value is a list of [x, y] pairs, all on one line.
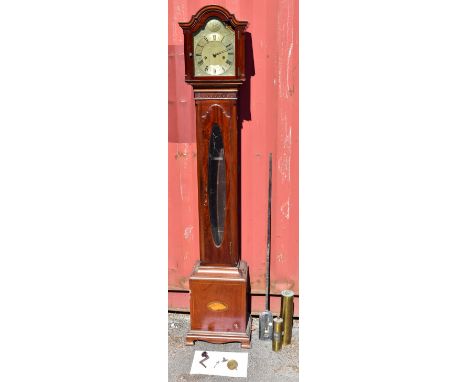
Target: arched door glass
{"points": [[217, 184]]}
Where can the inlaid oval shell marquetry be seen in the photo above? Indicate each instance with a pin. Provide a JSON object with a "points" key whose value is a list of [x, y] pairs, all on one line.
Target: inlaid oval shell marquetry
{"points": [[217, 306], [216, 184]]}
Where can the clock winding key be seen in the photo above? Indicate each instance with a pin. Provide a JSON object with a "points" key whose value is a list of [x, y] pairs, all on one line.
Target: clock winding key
{"points": [[205, 357]]}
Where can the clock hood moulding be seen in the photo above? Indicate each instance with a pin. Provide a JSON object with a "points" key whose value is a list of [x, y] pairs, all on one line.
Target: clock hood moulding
{"points": [[199, 19]]}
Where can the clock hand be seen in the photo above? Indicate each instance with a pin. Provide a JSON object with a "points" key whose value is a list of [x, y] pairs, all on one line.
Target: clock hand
{"points": [[216, 54], [223, 51]]}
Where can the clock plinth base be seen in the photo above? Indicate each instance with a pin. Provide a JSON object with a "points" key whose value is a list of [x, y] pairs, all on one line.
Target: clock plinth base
{"points": [[219, 306], [220, 337]]}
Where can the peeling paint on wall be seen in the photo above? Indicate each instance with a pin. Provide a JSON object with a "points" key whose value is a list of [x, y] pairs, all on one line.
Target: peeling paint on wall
{"points": [[280, 257], [284, 165], [285, 209], [188, 232]]}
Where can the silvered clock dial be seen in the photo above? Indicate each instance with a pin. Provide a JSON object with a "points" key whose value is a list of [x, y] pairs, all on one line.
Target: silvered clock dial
{"points": [[214, 49]]}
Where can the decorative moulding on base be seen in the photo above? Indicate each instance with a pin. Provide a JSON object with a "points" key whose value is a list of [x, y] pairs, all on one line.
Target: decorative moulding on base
{"points": [[221, 337]]}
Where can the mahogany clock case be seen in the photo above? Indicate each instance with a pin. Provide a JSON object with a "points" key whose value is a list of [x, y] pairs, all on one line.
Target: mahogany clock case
{"points": [[219, 284]]}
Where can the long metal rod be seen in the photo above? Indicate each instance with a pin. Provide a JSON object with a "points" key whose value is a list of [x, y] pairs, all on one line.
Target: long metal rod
{"points": [[267, 284]]}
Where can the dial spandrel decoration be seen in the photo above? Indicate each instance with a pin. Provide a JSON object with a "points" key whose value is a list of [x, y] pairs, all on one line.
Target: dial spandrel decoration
{"points": [[214, 49]]}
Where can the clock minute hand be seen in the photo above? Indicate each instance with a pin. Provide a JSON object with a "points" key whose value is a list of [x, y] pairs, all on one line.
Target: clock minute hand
{"points": [[223, 51]]}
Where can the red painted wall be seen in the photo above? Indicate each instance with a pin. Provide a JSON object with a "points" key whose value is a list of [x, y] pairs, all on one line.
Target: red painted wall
{"points": [[273, 127]]}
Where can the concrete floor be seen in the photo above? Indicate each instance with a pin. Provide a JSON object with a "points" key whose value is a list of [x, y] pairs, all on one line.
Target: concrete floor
{"points": [[264, 364]]}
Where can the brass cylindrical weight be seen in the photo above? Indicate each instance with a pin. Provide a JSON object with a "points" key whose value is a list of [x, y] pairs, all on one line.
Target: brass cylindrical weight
{"points": [[287, 311], [277, 334]]}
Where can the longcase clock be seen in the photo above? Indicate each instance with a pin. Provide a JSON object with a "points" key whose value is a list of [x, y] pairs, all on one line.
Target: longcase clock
{"points": [[214, 48]]}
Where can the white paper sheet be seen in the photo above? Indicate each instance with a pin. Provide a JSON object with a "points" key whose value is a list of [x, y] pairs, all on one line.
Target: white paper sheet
{"points": [[215, 365]]}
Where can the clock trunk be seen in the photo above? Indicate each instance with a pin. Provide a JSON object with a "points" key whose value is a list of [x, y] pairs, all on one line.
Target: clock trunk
{"points": [[217, 124]]}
